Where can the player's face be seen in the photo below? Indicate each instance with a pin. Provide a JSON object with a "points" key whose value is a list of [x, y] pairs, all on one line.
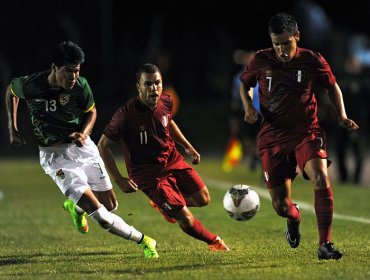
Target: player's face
{"points": [[150, 89], [66, 76], [285, 45]]}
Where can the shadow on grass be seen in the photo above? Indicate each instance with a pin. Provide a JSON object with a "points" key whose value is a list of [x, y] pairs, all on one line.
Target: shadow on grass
{"points": [[31, 258]]}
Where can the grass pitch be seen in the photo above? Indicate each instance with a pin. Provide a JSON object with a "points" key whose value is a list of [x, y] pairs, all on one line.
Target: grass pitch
{"points": [[38, 241]]}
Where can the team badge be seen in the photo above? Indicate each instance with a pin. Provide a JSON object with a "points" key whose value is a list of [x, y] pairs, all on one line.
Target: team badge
{"points": [[164, 121], [299, 74], [60, 174], [64, 99]]}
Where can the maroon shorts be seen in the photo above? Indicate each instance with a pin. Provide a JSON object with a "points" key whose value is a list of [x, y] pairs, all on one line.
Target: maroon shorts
{"points": [[280, 162], [170, 191]]}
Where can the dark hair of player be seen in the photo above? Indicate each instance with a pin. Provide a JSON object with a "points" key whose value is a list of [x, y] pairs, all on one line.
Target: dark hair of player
{"points": [[146, 68], [282, 22], [67, 53]]}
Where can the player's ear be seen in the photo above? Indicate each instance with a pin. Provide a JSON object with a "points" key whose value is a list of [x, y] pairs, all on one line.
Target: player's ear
{"points": [[138, 87], [297, 36]]}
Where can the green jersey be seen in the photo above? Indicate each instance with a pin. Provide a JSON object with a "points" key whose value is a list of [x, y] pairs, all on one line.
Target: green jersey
{"points": [[55, 113]]}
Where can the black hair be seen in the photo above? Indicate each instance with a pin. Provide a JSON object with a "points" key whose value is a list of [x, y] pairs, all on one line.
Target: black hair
{"points": [[147, 68], [66, 53], [282, 22]]}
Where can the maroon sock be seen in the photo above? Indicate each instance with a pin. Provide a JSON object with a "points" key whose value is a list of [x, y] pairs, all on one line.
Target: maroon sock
{"points": [[324, 207], [198, 231], [293, 214]]}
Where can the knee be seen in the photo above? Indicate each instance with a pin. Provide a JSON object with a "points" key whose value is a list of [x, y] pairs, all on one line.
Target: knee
{"points": [[204, 198], [321, 180]]}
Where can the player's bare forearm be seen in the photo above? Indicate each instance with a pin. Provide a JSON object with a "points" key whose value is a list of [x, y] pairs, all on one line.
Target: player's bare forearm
{"points": [[12, 103], [251, 115], [177, 135], [11, 109], [336, 98], [89, 123], [125, 184], [179, 138], [104, 147]]}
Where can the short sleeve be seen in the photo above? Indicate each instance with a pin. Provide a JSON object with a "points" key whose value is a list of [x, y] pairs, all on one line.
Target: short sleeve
{"points": [[325, 76], [16, 87], [114, 129], [87, 101]]}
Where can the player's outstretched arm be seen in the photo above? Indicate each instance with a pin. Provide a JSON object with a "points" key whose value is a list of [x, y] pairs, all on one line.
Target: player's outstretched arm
{"points": [[251, 115], [336, 97], [125, 184], [12, 103], [179, 138]]}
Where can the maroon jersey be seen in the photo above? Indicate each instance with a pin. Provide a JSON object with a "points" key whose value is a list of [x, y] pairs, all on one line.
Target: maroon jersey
{"points": [[148, 148], [287, 101]]}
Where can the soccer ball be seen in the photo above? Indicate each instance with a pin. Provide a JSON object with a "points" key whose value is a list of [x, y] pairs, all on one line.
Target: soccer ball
{"points": [[241, 202]]}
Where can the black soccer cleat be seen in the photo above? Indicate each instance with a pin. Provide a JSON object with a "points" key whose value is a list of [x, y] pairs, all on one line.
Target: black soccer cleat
{"points": [[327, 251], [292, 234]]}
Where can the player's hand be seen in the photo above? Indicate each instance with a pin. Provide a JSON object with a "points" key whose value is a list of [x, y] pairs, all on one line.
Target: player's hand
{"points": [[251, 115], [127, 185], [348, 124], [16, 139], [78, 138], [195, 156]]}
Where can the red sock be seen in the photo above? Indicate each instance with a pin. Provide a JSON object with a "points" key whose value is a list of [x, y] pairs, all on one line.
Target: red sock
{"points": [[324, 207], [198, 231], [293, 214]]}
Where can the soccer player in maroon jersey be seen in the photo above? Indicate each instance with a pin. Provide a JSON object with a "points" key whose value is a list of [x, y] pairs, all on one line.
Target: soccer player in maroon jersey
{"points": [[290, 134], [147, 133]]}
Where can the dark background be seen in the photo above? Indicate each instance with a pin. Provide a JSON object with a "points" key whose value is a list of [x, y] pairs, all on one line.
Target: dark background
{"points": [[192, 42]]}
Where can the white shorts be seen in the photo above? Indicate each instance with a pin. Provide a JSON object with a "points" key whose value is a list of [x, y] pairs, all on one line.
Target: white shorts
{"points": [[75, 169]]}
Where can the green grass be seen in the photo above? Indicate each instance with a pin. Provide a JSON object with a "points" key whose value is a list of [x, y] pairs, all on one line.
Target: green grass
{"points": [[37, 240]]}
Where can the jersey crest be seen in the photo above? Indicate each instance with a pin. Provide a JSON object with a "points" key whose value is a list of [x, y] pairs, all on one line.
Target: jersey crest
{"points": [[64, 99]]}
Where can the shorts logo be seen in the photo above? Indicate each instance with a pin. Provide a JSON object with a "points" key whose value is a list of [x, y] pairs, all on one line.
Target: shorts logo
{"points": [[60, 174], [266, 175], [64, 99], [101, 172], [166, 206]]}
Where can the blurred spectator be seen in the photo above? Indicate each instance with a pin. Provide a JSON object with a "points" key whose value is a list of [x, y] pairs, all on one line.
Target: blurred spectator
{"points": [[240, 130], [356, 93]]}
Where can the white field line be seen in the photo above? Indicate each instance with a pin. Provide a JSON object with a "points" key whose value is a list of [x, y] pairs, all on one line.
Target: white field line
{"points": [[303, 205]]}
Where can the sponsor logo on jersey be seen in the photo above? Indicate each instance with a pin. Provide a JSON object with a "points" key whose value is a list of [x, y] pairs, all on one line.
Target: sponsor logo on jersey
{"points": [[164, 121], [64, 99], [299, 74], [60, 174]]}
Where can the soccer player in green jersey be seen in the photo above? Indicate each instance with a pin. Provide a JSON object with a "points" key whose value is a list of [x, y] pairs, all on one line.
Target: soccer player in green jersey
{"points": [[63, 114]]}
